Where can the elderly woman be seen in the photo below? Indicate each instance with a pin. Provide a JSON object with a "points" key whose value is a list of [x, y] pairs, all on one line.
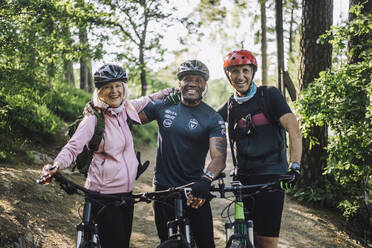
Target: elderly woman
{"points": [[114, 165]]}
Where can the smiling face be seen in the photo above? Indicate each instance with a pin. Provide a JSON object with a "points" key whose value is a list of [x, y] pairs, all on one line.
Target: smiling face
{"points": [[112, 94], [241, 78], [192, 87]]}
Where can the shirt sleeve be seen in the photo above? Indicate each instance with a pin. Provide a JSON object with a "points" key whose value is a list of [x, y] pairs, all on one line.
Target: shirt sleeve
{"points": [[218, 127], [140, 103], [278, 104], [75, 145], [151, 109]]}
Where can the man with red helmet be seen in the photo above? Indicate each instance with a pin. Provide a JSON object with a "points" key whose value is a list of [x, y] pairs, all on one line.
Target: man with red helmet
{"points": [[257, 120]]}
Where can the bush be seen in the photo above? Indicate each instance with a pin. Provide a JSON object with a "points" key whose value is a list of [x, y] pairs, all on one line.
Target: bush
{"points": [[66, 101], [145, 134], [32, 111], [340, 98], [31, 119]]}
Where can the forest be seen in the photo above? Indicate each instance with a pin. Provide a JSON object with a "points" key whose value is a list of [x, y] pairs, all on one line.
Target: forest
{"points": [[49, 50]]}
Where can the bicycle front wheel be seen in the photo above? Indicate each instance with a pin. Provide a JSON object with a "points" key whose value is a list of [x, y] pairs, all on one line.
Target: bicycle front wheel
{"points": [[172, 243], [239, 243]]}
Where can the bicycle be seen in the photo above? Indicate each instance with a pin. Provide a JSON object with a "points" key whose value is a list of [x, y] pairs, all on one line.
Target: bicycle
{"points": [[87, 230], [179, 229], [243, 236]]}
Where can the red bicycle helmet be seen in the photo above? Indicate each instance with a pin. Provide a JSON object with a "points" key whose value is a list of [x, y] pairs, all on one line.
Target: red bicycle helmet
{"points": [[240, 57]]}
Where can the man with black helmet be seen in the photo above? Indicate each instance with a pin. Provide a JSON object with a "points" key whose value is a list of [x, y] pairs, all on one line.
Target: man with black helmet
{"points": [[113, 169], [257, 119], [187, 131]]}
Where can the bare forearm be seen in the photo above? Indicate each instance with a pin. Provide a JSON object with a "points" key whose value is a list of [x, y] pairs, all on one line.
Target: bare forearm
{"points": [[291, 125], [218, 146], [295, 146], [217, 165]]}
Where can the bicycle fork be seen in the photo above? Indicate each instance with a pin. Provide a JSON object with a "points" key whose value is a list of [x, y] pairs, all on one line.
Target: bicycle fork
{"points": [[243, 229], [180, 220], [83, 234]]}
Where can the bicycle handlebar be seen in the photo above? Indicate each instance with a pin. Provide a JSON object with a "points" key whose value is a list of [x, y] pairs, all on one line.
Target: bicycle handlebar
{"points": [[236, 186], [150, 196], [72, 188]]}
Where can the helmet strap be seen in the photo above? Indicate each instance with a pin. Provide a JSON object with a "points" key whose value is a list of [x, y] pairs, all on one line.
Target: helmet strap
{"points": [[205, 92]]}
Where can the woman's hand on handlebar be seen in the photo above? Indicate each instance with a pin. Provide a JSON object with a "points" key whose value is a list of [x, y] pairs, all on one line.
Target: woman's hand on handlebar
{"points": [[47, 172]]}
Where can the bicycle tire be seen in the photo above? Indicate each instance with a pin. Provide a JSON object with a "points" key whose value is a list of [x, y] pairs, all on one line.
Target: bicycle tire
{"points": [[235, 242], [172, 243], [89, 243], [85, 244]]}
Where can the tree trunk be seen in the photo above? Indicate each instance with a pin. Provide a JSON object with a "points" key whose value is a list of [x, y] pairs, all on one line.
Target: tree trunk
{"points": [[86, 82], [68, 64], [69, 72], [141, 56], [85, 71], [316, 20], [291, 23], [263, 43], [290, 86], [89, 76], [142, 70], [280, 43], [83, 74]]}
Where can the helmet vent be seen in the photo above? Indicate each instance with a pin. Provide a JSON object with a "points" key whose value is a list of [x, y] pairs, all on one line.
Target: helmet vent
{"points": [[242, 57], [233, 58]]}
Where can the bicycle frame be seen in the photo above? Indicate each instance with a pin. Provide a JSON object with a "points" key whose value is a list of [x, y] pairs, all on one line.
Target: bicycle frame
{"points": [[243, 229]]}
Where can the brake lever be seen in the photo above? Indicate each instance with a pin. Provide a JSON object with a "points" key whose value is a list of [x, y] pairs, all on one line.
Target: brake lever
{"points": [[187, 192]]}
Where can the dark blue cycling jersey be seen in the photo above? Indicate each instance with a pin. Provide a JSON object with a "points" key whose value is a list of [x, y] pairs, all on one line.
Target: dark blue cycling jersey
{"points": [[183, 140]]}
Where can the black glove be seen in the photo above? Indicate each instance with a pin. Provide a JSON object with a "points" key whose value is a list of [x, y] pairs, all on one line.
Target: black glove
{"points": [[141, 167], [173, 98], [201, 188], [294, 169]]}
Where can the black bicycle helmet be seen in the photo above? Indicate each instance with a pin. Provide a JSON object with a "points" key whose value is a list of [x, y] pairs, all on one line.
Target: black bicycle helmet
{"points": [[109, 73], [193, 67]]}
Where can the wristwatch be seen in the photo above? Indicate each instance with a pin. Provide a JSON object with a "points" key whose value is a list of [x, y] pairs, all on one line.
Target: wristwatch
{"points": [[210, 175], [294, 166]]}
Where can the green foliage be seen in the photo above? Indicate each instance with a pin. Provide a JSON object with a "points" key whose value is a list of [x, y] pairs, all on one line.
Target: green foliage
{"points": [[66, 101], [341, 99], [219, 91], [36, 39], [145, 134]]}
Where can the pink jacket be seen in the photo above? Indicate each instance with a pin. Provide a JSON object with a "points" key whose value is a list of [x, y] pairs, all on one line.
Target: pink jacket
{"points": [[114, 172]]}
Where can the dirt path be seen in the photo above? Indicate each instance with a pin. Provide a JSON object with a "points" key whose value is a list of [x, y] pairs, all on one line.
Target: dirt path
{"points": [[44, 216]]}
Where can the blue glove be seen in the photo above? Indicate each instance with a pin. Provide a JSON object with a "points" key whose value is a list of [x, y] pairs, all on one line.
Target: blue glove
{"points": [[201, 188], [294, 169]]}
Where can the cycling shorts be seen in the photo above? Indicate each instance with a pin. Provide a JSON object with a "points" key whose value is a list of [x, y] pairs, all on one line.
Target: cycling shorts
{"points": [[265, 208]]}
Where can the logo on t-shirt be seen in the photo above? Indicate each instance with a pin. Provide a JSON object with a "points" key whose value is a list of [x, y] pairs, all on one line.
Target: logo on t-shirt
{"points": [[193, 123], [167, 123]]}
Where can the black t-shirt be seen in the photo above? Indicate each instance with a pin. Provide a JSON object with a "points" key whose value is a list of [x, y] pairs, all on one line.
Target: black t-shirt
{"points": [[183, 140], [263, 150]]}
